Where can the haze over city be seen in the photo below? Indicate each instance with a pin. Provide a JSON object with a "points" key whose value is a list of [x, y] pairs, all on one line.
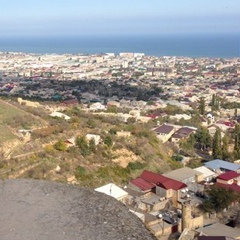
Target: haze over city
{"points": [[60, 17]]}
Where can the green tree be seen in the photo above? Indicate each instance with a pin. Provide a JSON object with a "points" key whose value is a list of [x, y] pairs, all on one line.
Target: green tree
{"points": [[216, 145], [215, 103], [60, 145], [225, 153], [213, 99], [218, 199], [235, 112], [81, 142], [203, 138], [188, 144], [236, 134], [201, 106]]}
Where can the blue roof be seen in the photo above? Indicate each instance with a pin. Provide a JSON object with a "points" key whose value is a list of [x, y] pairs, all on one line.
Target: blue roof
{"points": [[217, 164]]}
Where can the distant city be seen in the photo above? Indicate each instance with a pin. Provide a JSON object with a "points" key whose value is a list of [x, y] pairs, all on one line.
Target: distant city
{"points": [[115, 76]]}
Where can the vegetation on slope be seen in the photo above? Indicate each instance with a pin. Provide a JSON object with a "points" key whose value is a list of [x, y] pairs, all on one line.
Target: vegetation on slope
{"points": [[116, 159]]}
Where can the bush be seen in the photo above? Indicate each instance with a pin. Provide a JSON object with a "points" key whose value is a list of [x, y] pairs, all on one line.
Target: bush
{"points": [[177, 158], [80, 172], [60, 145], [135, 165]]}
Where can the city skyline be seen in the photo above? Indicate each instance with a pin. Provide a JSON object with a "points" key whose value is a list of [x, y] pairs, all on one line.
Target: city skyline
{"points": [[77, 18]]}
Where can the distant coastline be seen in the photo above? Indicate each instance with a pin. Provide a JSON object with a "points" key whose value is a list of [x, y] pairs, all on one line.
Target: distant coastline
{"points": [[212, 46]]}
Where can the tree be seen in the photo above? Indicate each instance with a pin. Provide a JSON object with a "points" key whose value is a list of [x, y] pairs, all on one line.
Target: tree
{"points": [[188, 144], [81, 142], [235, 112], [216, 145], [218, 199], [215, 103], [213, 100], [203, 138], [237, 141], [60, 145], [225, 153], [201, 106]]}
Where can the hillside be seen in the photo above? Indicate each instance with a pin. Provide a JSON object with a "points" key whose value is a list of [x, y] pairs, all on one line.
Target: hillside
{"points": [[47, 154]]}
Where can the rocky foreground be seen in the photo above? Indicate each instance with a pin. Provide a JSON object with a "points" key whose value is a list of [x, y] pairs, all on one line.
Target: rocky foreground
{"points": [[43, 210]]}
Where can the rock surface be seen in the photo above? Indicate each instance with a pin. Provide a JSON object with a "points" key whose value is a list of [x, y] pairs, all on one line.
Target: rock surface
{"points": [[43, 210]]}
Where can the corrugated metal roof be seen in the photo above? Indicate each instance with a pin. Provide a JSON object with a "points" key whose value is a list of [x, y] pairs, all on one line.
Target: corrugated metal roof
{"points": [[228, 175], [142, 184], [162, 181], [217, 164]]}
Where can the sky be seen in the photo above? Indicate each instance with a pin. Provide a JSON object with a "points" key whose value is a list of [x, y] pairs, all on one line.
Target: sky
{"points": [[114, 17]]}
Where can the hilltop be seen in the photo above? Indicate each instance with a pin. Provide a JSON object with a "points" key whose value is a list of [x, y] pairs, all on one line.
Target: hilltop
{"points": [[43, 210]]}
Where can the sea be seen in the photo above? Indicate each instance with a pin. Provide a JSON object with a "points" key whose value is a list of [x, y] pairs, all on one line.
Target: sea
{"points": [[195, 45]]}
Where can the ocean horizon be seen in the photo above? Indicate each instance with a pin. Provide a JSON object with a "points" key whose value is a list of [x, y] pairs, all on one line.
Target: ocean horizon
{"points": [[208, 45]]}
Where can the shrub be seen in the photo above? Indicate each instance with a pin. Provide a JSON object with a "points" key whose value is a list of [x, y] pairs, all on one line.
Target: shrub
{"points": [[135, 165]]}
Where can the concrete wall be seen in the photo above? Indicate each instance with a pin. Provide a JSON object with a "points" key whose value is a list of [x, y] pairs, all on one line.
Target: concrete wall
{"points": [[28, 103]]}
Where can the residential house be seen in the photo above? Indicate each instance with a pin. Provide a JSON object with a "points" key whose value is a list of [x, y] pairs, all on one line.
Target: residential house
{"points": [[161, 226], [230, 177], [219, 229], [162, 186], [220, 166], [224, 125], [208, 175], [186, 175], [114, 191], [164, 132], [182, 133]]}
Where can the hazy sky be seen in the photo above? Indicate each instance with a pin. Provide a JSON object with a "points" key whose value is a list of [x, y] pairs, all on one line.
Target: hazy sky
{"points": [[107, 17]]}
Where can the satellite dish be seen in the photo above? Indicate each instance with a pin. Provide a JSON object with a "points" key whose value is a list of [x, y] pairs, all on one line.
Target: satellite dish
{"points": [[160, 215]]}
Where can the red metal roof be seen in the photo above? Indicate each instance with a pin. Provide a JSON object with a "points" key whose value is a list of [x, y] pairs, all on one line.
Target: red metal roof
{"points": [[228, 175], [162, 181], [234, 187], [142, 184]]}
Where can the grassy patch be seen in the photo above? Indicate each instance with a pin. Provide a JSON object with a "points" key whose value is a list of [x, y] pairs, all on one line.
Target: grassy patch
{"points": [[7, 112], [6, 134]]}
